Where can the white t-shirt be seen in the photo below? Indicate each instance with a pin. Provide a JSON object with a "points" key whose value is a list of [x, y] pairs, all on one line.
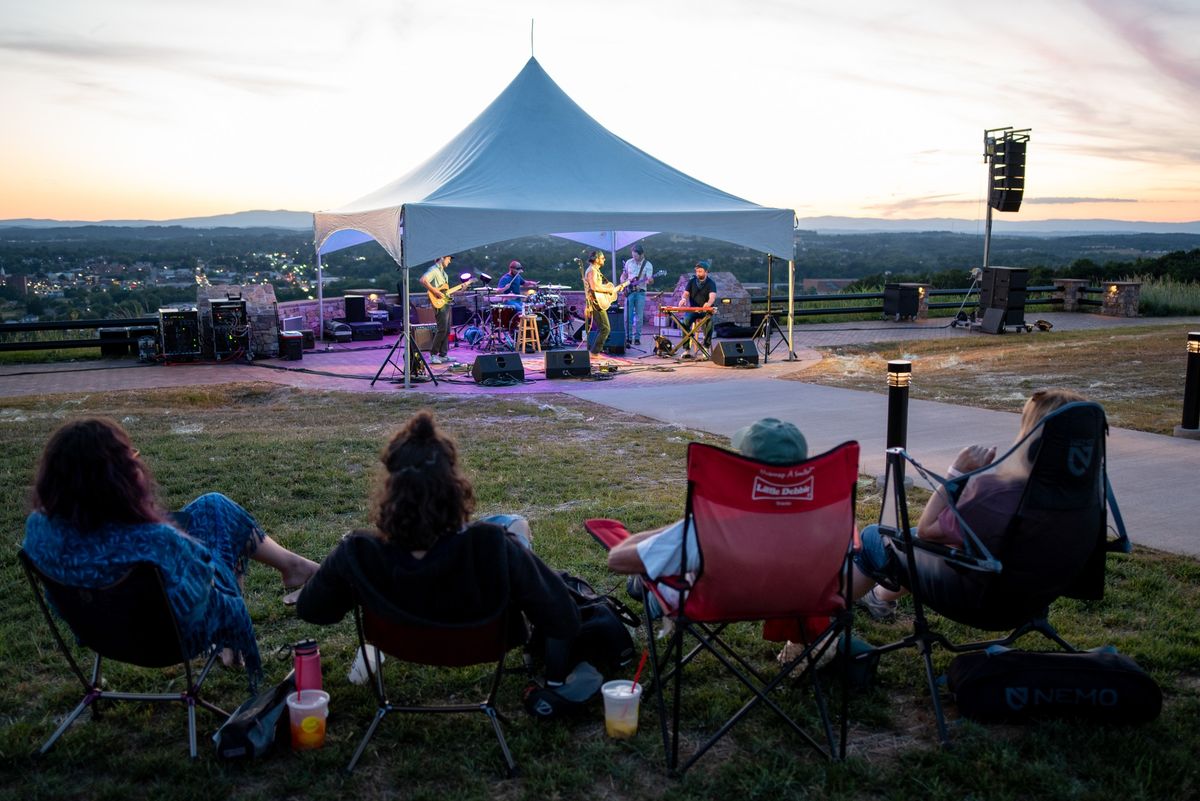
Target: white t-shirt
{"points": [[660, 554], [632, 270]]}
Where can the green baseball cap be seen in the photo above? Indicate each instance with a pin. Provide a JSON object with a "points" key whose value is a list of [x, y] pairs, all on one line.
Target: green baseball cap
{"points": [[771, 440]]}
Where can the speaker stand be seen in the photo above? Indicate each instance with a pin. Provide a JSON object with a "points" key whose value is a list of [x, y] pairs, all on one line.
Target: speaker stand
{"points": [[769, 324], [389, 359]]}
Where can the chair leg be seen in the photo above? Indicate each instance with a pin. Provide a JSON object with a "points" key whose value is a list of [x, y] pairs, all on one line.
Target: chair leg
{"points": [[71, 718], [934, 694], [362, 746], [191, 709], [508, 757]]}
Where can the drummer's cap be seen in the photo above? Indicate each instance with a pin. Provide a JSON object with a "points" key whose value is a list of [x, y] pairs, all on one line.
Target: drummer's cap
{"points": [[515, 265], [704, 263]]}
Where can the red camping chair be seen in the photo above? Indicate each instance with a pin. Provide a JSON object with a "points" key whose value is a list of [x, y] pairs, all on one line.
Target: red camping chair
{"points": [[439, 646], [774, 542]]}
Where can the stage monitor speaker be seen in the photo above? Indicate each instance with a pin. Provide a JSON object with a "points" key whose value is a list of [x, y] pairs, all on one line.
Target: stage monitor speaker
{"points": [[993, 321], [735, 353], [568, 364], [498, 367], [356, 309]]}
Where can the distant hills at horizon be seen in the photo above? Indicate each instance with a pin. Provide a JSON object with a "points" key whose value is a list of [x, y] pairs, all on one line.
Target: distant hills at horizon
{"points": [[302, 221]]}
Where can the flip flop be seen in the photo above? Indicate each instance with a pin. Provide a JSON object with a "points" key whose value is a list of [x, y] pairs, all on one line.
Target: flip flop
{"points": [[292, 594]]}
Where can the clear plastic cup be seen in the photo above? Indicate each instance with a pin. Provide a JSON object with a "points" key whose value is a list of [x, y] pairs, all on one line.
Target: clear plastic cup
{"points": [[306, 713], [621, 702]]}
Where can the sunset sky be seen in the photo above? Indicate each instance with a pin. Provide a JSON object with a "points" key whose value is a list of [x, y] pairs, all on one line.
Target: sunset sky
{"points": [[168, 108]]}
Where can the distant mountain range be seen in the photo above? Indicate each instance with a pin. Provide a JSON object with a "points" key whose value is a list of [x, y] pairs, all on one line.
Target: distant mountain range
{"points": [[867, 225], [295, 220], [302, 220]]}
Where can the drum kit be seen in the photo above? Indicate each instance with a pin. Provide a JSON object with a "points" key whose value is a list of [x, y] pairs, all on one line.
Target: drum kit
{"points": [[497, 323]]}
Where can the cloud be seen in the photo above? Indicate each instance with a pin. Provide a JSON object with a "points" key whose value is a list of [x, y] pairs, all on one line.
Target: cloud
{"points": [[920, 202], [1128, 24], [1055, 201], [197, 64]]}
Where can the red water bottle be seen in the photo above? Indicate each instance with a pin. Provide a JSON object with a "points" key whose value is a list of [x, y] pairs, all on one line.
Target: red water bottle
{"points": [[308, 665]]}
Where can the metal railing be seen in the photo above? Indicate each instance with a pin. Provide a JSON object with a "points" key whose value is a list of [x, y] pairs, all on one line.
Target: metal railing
{"points": [[801, 311], [96, 341]]}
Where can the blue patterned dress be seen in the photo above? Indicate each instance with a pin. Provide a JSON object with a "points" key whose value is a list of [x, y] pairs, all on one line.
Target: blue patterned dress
{"points": [[200, 568]]}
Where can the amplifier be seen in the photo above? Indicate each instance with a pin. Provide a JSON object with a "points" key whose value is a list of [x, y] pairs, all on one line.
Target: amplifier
{"points": [[230, 328], [568, 364], [180, 333]]}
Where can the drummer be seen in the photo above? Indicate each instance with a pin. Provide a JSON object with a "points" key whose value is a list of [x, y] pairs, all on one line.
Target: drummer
{"points": [[513, 283]]}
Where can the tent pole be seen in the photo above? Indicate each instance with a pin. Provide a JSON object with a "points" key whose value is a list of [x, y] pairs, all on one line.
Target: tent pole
{"points": [[407, 317], [320, 299], [791, 308], [613, 242]]}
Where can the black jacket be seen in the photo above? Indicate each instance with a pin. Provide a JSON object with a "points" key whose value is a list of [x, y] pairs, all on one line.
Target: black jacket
{"points": [[465, 579]]}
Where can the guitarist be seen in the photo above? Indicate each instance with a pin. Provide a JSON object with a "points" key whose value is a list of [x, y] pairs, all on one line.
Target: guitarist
{"points": [[600, 295], [437, 284], [638, 274]]}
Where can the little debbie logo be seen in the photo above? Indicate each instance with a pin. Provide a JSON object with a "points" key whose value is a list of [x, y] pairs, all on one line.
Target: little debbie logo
{"points": [[765, 490]]}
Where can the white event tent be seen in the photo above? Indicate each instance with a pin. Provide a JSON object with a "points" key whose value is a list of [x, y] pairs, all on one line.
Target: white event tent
{"points": [[534, 163]]}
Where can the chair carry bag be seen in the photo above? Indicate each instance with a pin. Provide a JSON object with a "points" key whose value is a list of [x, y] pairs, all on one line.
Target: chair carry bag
{"points": [[1011, 686]]}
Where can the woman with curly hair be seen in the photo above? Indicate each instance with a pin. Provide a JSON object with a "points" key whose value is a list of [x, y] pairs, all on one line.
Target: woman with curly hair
{"points": [[426, 562], [95, 515]]}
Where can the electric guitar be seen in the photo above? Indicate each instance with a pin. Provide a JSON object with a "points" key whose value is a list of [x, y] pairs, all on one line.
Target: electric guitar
{"points": [[437, 303]]}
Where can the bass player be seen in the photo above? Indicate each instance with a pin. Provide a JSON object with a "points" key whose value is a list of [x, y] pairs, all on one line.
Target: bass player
{"points": [[437, 286]]}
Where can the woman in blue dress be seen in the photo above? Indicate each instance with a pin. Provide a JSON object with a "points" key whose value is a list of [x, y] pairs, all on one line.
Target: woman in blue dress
{"points": [[95, 515]]}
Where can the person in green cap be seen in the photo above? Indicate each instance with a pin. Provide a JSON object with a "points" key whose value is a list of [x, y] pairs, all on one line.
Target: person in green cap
{"points": [[656, 552]]}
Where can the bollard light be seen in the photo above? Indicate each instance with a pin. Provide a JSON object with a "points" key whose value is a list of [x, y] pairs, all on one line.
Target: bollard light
{"points": [[899, 376], [1191, 390], [899, 373]]}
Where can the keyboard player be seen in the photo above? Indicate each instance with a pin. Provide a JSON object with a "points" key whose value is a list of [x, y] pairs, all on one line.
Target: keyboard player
{"points": [[701, 291]]}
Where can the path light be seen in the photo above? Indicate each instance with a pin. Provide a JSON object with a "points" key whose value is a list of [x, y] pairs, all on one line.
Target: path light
{"points": [[899, 376], [1191, 390]]}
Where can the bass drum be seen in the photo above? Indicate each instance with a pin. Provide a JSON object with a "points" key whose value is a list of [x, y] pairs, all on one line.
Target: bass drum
{"points": [[543, 327], [503, 317]]}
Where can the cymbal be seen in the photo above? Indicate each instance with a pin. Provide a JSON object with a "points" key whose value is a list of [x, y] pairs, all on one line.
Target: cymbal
{"points": [[508, 296], [553, 286]]}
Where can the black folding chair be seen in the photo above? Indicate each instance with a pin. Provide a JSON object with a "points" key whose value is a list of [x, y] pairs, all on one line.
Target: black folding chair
{"points": [[128, 621], [1054, 546]]}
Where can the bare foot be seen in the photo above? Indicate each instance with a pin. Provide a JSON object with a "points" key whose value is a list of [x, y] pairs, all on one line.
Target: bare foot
{"points": [[232, 659], [295, 576]]}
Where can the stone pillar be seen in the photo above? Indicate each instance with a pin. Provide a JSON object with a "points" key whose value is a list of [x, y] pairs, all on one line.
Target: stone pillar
{"points": [[1121, 298], [261, 312], [923, 301], [1071, 292]]}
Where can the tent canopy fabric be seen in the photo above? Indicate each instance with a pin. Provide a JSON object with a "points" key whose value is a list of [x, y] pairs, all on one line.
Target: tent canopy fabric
{"points": [[535, 163]]}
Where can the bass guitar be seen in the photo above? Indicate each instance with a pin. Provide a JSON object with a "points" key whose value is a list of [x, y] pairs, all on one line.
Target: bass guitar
{"points": [[437, 303]]}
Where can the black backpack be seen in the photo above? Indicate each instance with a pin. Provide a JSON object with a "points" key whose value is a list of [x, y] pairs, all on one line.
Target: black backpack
{"points": [[604, 638]]}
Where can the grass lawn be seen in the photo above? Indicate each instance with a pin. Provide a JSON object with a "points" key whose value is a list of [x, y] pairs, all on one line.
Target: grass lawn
{"points": [[1137, 373], [303, 462]]}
